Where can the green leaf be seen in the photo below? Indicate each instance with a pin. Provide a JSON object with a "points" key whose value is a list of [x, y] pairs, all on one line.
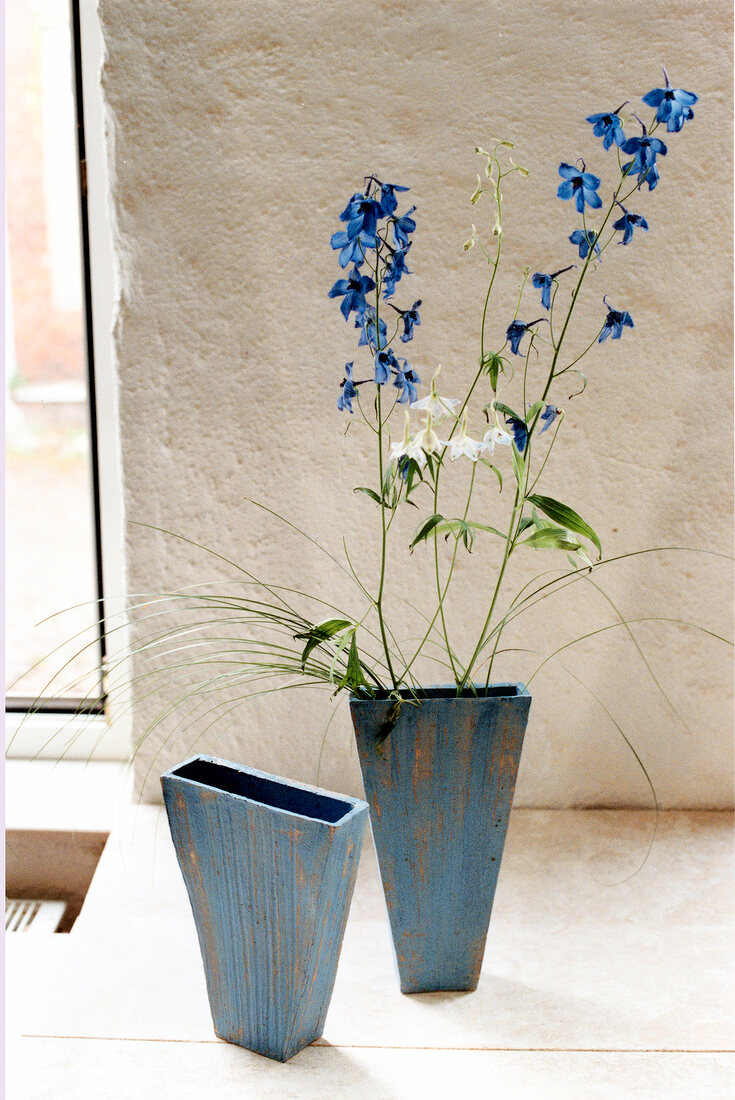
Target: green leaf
{"points": [[484, 527], [319, 633], [506, 410], [460, 528], [464, 529], [353, 677], [536, 407], [425, 529], [368, 492], [525, 523], [492, 365], [551, 538], [414, 478], [566, 517]]}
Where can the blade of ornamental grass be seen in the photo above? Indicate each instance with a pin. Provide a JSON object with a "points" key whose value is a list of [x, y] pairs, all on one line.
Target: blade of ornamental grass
{"points": [[643, 768]]}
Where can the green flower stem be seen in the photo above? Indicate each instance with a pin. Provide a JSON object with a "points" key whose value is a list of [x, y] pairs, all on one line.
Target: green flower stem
{"points": [[546, 456], [384, 530], [522, 492], [589, 347], [441, 594], [514, 520], [379, 598]]}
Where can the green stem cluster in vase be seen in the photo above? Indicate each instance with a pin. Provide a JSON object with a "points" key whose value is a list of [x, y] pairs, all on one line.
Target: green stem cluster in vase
{"points": [[375, 243]]}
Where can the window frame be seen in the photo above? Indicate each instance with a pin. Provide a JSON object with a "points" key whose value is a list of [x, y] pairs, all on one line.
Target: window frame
{"points": [[73, 728]]}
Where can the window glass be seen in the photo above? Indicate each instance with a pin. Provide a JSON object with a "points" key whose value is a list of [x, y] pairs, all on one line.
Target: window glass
{"points": [[51, 556]]}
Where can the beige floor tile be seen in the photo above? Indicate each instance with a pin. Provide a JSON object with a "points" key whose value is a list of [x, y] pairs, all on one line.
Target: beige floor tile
{"points": [[590, 977], [94, 1070]]}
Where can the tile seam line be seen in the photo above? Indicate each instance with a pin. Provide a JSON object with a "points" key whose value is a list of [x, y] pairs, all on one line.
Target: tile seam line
{"points": [[376, 1046]]}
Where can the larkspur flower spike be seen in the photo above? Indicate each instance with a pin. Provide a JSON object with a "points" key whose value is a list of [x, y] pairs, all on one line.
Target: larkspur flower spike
{"points": [[628, 223], [580, 185], [609, 127], [406, 380], [673, 105], [347, 390], [353, 291], [516, 331], [439, 407], [427, 439], [408, 447], [548, 416], [584, 240], [462, 444], [519, 432], [645, 150], [409, 317], [544, 283], [615, 321], [494, 436]]}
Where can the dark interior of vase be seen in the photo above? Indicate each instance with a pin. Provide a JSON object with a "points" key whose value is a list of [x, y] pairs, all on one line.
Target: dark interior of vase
{"points": [[449, 691], [281, 796]]}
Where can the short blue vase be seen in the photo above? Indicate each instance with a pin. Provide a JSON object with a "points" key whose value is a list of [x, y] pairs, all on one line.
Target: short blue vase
{"points": [[439, 773], [270, 867]]}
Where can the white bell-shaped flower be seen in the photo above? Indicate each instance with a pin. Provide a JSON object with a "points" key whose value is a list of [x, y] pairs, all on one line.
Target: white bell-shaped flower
{"points": [[493, 436], [439, 407], [408, 446], [427, 439], [463, 444]]}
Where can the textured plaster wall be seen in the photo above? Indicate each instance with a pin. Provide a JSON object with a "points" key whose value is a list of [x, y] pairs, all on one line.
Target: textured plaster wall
{"points": [[237, 130]]}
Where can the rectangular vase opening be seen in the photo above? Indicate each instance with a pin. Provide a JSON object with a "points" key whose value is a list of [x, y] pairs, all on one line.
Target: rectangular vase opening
{"points": [[449, 691], [268, 792]]}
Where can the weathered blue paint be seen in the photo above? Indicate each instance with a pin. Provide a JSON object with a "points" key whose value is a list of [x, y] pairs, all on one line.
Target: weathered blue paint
{"points": [[270, 868], [440, 788]]}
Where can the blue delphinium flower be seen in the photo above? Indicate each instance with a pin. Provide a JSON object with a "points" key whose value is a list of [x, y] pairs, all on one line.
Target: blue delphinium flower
{"points": [[585, 239], [402, 227], [361, 215], [614, 323], [370, 331], [673, 105], [385, 362], [651, 177], [548, 416], [608, 127], [388, 200], [645, 150], [516, 331], [395, 269], [628, 223], [519, 431], [580, 185], [410, 317], [406, 380], [352, 249], [352, 291], [544, 283], [347, 390]]}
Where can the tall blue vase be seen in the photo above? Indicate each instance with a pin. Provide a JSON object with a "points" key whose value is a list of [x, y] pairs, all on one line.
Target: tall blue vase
{"points": [[270, 867], [439, 780]]}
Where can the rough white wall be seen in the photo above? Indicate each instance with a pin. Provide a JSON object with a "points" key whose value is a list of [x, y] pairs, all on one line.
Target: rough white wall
{"points": [[237, 130]]}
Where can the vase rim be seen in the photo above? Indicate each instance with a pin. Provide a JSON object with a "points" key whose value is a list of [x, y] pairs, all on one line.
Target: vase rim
{"points": [[277, 793], [500, 690]]}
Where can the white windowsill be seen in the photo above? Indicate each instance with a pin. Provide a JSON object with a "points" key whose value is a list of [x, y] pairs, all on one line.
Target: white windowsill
{"points": [[66, 795], [82, 737]]}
